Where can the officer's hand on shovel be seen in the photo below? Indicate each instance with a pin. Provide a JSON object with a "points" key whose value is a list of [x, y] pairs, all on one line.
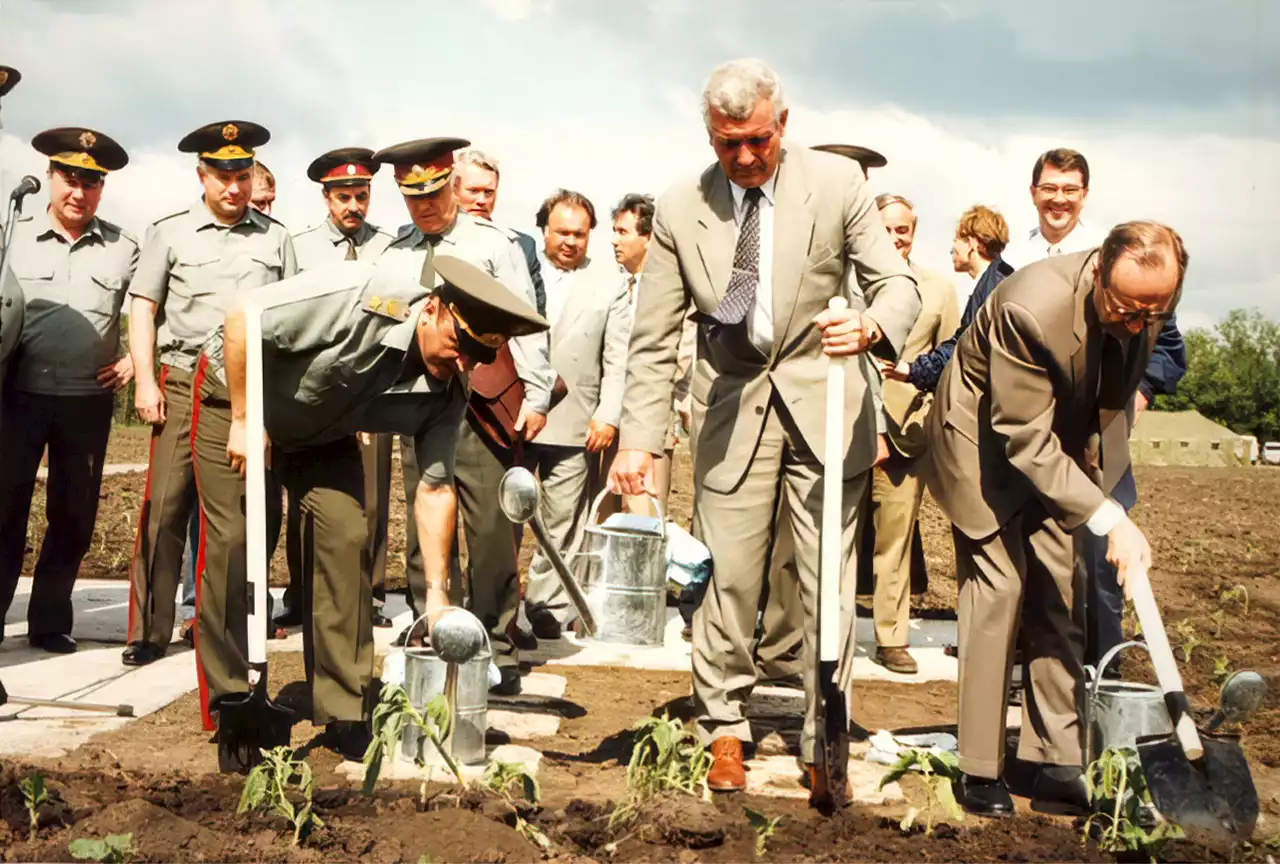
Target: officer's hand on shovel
{"points": [[237, 452]]}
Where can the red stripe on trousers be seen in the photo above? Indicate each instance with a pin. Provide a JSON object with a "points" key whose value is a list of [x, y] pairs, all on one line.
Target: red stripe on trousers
{"points": [[143, 519], [196, 385]]}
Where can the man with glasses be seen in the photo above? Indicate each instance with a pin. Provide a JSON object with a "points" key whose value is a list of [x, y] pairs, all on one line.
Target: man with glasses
{"points": [[1059, 187], [1028, 439]]}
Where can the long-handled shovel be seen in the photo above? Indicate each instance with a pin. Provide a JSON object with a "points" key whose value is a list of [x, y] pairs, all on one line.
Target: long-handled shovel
{"points": [[833, 705], [1201, 783], [250, 722], [118, 710]]}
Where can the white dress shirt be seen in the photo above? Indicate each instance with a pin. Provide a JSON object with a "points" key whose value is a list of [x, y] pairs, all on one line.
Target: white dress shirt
{"points": [[557, 283], [760, 319], [1035, 248]]}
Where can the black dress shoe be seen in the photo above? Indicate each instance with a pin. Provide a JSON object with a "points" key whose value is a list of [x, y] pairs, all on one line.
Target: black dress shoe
{"points": [[348, 738], [141, 653], [983, 797], [544, 624], [54, 643], [1061, 790], [510, 685], [523, 639], [289, 618], [380, 620]]}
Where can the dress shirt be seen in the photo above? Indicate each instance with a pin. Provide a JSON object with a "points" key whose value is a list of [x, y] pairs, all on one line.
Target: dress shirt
{"points": [[760, 320]]}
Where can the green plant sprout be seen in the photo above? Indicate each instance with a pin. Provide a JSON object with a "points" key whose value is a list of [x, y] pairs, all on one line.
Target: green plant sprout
{"points": [[1190, 638], [1221, 669], [1121, 803], [112, 849], [764, 828], [667, 757], [394, 714], [1239, 594], [501, 778], [35, 794], [938, 771], [268, 788]]}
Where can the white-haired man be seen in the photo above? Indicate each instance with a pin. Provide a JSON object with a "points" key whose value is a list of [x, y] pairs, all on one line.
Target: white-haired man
{"points": [[758, 244]]}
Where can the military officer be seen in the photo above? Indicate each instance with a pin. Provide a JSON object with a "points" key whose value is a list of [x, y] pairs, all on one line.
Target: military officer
{"points": [[363, 346], [74, 268], [192, 263], [422, 170], [9, 78], [345, 176], [11, 304]]}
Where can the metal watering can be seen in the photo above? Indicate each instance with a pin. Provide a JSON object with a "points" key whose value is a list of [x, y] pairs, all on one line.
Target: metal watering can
{"points": [[456, 663], [1118, 713], [623, 570]]}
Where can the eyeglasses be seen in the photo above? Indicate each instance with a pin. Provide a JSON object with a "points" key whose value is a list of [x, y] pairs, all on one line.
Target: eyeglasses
{"points": [[1120, 314], [1049, 190], [755, 143]]}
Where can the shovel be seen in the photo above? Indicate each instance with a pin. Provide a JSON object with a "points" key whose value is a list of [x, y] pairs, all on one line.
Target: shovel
{"points": [[250, 722], [1201, 783], [118, 710], [833, 705]]}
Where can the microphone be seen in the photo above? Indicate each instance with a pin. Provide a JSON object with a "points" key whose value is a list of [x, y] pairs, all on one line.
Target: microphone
{"points": [[28, 185]]}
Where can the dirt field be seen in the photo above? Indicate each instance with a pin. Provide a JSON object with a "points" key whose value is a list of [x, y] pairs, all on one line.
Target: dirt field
{"points": [[1212, 530]]}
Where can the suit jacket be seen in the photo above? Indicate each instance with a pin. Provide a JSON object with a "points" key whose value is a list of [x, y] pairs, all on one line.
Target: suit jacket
{"points": [[907, 407], [589, 351], [529, 247], [1025, 403], [825, 221]]}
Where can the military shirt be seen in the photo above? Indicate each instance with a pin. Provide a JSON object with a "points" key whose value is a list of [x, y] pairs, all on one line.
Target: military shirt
{"points": [[335, 363], [74, 292], [192, 265], [325, 243], [490, 248]]}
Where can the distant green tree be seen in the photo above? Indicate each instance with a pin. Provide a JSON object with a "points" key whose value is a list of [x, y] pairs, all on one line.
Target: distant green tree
{"points": [[1233, 375]]}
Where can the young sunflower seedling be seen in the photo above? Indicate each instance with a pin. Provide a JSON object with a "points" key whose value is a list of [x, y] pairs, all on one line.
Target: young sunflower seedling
{"points": [[1124, 819], [112, 849], [666, 757], [764, 828], [393, 716], [938, 771], [272, 787], [510, 780], [35, 794]]}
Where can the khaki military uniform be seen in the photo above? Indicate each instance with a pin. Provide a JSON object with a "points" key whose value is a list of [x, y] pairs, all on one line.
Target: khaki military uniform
{"points": [[325, 244], [72, 330], [490, 537], [338, 362], [191, 265]]}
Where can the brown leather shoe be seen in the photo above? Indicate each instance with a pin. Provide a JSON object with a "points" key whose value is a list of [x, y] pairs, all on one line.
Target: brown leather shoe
{"points": [[727, 774], [897, 660], [819, 794]]}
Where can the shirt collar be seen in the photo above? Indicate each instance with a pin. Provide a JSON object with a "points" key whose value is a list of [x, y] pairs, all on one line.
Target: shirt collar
{"points": [[204, 216], [740, 194], [94, 229], [336, 235]]}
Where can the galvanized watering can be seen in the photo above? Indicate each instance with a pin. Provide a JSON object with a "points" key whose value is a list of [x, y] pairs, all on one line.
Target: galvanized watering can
{"points": [[457, 665], [1118, 713], [622, 568]]}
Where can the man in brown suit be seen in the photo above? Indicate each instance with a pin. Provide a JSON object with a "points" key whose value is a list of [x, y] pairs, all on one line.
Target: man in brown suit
{"points": [[1028, 436], [759, 244]]}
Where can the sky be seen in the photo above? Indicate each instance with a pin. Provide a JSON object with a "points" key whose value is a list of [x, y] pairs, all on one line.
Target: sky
{"points": [[1176, 104]]}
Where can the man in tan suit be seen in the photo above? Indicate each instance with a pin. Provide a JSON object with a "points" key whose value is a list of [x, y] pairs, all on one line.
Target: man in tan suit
{"points": [[590, 313], [759, 244], [1027, 439], [896, 484]]}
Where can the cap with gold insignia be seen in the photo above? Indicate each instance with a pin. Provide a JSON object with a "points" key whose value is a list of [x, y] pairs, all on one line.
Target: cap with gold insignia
{"points": [[864, 156], [421, 166], [81, 150], [226, 146], [486, 313], [9, 77], [346, 166]]}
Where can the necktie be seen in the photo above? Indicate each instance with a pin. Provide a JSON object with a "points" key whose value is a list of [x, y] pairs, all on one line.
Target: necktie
{"points": [[1114, 428], [741, 293], [1055, 250], [631, 286], [351, 249], [434, 239]]}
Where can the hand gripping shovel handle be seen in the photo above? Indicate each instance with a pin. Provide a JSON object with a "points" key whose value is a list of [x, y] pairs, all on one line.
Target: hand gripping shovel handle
{"points": [[1144, 603]]}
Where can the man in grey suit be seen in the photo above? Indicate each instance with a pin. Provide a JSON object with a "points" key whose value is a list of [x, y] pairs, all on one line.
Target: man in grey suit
{"points": [[590, 313], [759, 244], [1028, 438]]}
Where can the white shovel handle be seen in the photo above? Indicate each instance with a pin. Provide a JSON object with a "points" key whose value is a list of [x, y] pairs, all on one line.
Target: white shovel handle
{"points": [[830, 565], [1144, 603], [255, 491]]}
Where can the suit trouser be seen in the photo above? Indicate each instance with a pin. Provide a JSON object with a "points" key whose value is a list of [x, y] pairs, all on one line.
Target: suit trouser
{"points": [[736, 527], [170, 495], [1020, 585], [375, 458], [562, 472], [75, 429], [896, 492], [780, 650], [1105, 602], [222, 609]]}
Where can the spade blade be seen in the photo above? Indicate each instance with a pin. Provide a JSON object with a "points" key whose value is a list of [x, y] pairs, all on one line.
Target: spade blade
{"points": [[1213, 799]]}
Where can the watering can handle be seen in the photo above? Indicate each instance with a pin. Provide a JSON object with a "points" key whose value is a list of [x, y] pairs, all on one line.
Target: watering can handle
{"points": [[594, 517], [1144, 603], [1105, 663]]}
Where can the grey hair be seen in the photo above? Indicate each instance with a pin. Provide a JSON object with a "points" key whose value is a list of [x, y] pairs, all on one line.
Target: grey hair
{"points": [[734, 88], [472, 156]]}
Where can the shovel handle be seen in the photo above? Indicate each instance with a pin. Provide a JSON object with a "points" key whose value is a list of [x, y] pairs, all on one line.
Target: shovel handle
{"points": [[830, 547], [1144, 603], [255, 501]]}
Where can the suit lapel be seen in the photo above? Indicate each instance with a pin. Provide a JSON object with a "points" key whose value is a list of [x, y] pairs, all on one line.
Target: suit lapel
{"points": [[792, 232], [716, 232], [574, 305]]}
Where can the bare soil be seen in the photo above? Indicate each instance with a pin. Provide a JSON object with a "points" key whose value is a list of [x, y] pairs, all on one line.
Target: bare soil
{"points": [[1212, 530]]}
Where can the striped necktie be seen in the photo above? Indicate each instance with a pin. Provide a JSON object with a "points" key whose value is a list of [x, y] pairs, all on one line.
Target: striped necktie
{"points": [[741, 293]]}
